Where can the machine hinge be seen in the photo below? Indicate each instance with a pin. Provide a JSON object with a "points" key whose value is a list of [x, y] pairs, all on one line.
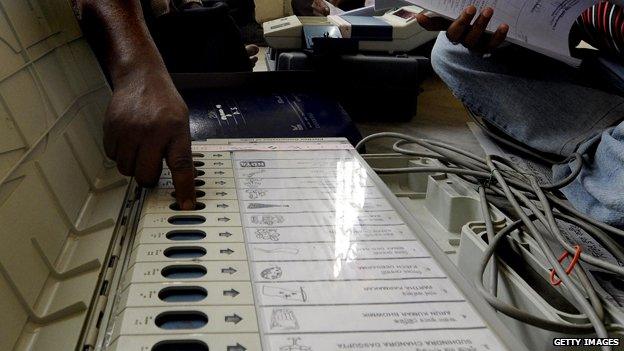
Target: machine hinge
{"points": [[92, 333], [100, 304], [101, 300]]}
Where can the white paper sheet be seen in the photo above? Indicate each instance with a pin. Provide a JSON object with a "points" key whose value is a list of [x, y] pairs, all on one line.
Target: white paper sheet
{"points": [[542, 26], [356, 292], [327, 251], [328, 234], [378, 317], [329, 256], [308, 206], [428, 340]]}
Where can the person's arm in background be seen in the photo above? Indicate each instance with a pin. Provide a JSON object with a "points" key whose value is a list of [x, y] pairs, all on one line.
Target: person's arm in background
{"points": [[309, 7], [348, 5], [320, 8], [147, 120], [601, 26]]}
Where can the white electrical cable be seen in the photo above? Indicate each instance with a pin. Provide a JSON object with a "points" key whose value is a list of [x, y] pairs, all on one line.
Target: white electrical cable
{"points": [[489, 230], [530, 202]]}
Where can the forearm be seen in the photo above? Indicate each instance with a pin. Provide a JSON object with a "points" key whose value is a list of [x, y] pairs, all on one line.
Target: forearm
{"points": [[146, 119], [119, 36]]}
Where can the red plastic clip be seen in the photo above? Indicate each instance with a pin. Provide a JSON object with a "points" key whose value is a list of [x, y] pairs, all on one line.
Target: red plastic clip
{"points": [[568, 270]]}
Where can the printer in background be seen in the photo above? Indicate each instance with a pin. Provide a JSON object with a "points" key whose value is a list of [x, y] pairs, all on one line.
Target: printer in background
{"points": [[394, 32]]}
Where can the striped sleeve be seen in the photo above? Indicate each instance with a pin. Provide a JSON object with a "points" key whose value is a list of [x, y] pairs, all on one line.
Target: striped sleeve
{"points": [[602, 26]]}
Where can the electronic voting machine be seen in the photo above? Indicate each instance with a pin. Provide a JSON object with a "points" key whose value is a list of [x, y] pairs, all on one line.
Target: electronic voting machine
{"points": [[293, 245]]}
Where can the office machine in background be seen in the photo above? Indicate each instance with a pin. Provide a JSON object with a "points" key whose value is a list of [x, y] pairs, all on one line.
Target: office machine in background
{"points": [[373, 61], [396, 31]]}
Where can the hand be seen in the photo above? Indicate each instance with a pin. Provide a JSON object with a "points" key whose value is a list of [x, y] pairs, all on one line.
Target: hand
{"points": [[252, 51], [319, 8], [348, 5], [461, 31], [146, 121], [310, 8]]}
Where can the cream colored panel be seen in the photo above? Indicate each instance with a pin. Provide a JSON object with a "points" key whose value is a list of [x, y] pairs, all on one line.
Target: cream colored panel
{"points": [[56, 82], [60, 17], [10, 139], [29, 213], [65, 177], [86, 65], [85, 145], [58, 202], [95, 112], [9, 305], [58, 336], [9, 49], [11, 144], [7, 160], [69, 64], [26, 104], [27, 20]]}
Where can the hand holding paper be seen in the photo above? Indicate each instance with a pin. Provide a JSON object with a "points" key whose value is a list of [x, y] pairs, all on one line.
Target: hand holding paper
{"points": [[542, 26], [464, 31]]}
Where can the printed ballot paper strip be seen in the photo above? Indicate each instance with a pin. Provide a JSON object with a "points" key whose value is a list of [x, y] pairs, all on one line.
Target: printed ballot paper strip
{"points": [[333, 264]]}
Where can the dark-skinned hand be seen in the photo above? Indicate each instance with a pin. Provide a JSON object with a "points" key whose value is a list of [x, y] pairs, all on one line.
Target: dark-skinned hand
{"points": [[464, 31], [310, 7], [146, 122]]}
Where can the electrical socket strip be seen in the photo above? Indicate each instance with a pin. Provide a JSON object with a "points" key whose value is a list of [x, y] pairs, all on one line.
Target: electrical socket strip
{"points": [[448, 209]]}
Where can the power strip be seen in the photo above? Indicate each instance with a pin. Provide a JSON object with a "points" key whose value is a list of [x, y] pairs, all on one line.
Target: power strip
{"points": [[448, 209]]}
